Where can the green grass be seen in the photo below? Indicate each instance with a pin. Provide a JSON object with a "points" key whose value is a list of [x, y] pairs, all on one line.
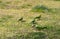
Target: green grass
{"points": [[43, 8], [5, 18], [36, 35], [40, 8]]}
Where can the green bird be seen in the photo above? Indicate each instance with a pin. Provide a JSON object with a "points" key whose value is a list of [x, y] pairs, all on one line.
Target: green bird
{"points": [[21, 19], [38, 17]]}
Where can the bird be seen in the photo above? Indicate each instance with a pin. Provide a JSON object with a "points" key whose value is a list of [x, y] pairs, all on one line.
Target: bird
{"points": [[41, 28], [38, 17], [33, 21], [21, 19]]}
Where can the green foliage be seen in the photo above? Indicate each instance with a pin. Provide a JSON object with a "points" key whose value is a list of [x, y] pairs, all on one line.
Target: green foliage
{"points": [[40, 8], [40, 27]]}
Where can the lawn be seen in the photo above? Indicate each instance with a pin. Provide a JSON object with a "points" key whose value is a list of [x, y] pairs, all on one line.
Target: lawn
{"points": [[29, 19]]}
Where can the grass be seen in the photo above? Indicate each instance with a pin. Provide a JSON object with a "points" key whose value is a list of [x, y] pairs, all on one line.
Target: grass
{"points": [[40, 8], [48, 27], [6, 5], [43, 9], [5, 18], [26, 6], [36, 35], [56, 0]]}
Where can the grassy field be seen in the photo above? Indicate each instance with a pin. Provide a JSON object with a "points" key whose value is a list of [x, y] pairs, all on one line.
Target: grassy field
{"points": [[47, 27]]}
